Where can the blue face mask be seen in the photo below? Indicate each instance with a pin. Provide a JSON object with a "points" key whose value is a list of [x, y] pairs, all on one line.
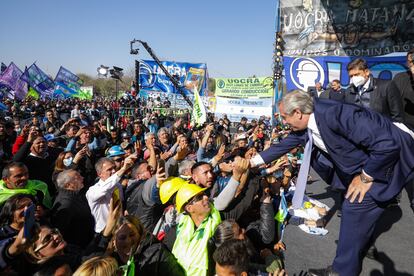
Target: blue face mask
{"points": [[67, 161]]}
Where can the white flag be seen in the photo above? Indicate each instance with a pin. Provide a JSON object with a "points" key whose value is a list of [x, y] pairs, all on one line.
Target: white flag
{"points": [[199, 115]]}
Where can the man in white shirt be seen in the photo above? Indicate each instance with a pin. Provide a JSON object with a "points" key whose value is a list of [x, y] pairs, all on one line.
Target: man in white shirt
{"points": [[75, 113], [99, 195]]}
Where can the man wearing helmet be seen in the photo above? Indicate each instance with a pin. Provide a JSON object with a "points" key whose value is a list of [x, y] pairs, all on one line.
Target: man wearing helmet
{"points": [[116, 153], [194, 229]]}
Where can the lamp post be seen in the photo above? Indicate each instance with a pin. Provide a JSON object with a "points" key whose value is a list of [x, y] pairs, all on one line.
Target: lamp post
{"points": [[117, 74]]}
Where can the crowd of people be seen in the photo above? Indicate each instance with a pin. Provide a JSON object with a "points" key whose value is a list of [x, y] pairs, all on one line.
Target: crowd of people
{"points": [[110, 187], [125, 188]]}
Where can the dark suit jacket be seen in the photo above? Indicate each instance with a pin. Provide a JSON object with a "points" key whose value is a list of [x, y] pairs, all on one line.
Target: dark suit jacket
{"points": [[334, 95], [380, 97], [356, 139], [312, 91], [325, 94]]}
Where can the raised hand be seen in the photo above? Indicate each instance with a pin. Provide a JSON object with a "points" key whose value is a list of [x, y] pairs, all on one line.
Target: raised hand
{"points": [[240, 166], [138, 146], [33, 134], [181, 153], [160, 176], [115, 212]]}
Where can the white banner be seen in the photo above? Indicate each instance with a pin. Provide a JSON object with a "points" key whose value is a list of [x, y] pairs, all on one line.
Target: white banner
{"points": [[238, 108]]}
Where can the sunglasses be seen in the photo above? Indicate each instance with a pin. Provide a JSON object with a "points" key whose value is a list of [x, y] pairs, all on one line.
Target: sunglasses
{"points": [[118, 159], [47, 239]]}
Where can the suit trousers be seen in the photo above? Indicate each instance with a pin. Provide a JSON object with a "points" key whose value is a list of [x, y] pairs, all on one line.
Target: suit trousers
{"points": [[357, 226]]}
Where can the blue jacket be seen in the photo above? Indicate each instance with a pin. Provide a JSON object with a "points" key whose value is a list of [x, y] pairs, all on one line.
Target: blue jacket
{"points": [[356, 139]]}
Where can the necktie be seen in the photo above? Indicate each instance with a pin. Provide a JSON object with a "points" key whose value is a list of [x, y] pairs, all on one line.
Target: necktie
{"points": [[303, 174]]}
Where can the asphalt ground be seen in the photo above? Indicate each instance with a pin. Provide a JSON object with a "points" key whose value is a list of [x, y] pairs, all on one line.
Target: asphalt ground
{"points": [[395, 244]]}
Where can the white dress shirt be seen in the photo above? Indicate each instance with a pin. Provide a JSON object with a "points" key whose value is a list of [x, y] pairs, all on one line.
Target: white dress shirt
{"points": [[319, 92], [317, 138], [99, 197]]}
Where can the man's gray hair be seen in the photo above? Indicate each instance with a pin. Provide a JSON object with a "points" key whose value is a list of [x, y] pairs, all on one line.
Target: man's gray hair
{"points": [[297, 99], [162, 130], [148, 135], [184, 168], [101, 162], [64, 178]]}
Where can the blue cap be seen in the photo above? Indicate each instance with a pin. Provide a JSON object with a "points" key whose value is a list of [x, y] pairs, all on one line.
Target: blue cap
{"points": [[115, 151], [49, 137]]}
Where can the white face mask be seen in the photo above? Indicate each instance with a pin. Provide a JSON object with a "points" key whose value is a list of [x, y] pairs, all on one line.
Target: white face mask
{"points": [[67, 161], [358, 81]]}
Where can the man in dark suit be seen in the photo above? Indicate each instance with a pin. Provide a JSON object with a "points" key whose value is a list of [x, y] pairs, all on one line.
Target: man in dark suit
{"points": [[376, 94], [404, 83], [372, 157], [369, 92], [335, 92], [316, 91]]}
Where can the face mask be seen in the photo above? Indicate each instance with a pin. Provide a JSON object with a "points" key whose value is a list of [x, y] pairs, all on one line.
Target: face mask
{"points": [[358, 81], [67, 161]]}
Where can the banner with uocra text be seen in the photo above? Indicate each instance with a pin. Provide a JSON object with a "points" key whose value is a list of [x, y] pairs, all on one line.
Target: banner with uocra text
{"points": [[244, 87], [346, 28]]}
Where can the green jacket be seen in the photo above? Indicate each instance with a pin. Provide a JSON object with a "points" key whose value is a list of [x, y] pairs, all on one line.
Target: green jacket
{"points": [[191, 245], [32, 188]]}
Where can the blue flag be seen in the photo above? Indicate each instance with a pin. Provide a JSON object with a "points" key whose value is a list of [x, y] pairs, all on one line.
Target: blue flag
{"points": [[63, 91], [39, 80], [67, 77], [281, 215], [67, 84]]}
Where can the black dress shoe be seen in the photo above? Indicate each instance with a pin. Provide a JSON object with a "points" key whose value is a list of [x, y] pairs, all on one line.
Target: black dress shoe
{"points": [[372, 253], [322, 272]]}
